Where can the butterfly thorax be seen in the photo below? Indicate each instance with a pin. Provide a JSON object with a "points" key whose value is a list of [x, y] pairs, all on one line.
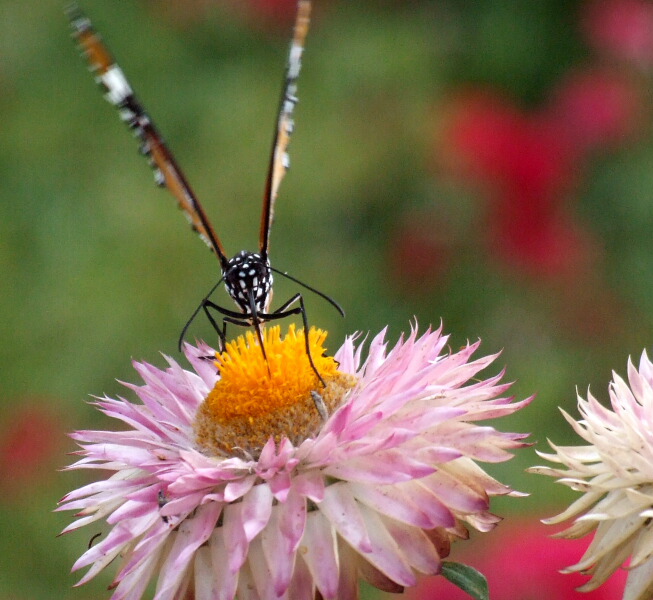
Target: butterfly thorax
{"points": [[249, 273]]}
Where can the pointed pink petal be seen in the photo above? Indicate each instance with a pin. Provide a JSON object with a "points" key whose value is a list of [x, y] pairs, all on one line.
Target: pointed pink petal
{"points": [[391, 500], [386, 554], [278, 555], [190, 535], [226, 577], [302, 585], [390, 466], [342, 510], [318, 549], [235, 540]]}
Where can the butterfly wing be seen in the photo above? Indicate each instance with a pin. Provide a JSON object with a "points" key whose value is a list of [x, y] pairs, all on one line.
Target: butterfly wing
{"points": [[279, 160], [119, 93]]}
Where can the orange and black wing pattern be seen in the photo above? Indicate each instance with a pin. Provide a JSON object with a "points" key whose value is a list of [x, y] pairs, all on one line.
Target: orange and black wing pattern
{"points": [[279, 160], [119, 93]]}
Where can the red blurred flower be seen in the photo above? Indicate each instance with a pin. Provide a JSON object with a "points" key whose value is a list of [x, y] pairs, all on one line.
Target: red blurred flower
{"points": [[281, 12], [479, 129], [274, 15], [521, 561], [540, 245], [420, 252], [596, 108], [623, 28], [521, 156], [530, 162], [31, 439], [529, 165]]}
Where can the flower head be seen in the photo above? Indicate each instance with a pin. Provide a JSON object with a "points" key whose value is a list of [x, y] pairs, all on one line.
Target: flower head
{"points": [[615, 475], [224, 483]]}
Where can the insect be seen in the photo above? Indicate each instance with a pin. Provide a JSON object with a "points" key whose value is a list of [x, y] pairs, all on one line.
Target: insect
{"points": [[248, 275], [162, 501]]}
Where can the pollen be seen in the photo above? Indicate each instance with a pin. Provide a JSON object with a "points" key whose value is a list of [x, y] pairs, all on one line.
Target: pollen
{"points": [[281, 397]]}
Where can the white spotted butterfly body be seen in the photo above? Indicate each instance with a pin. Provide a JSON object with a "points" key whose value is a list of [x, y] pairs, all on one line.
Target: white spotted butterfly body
{"points": [[248, 275]]}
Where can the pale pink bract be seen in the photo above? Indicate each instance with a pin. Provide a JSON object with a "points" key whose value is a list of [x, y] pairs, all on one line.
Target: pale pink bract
{"points": [[378, 494]]}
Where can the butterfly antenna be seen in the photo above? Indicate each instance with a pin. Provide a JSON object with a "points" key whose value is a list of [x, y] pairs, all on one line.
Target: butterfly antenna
{"points": [[330, 300]]}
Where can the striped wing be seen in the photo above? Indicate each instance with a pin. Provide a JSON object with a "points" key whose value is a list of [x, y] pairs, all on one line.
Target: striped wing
{"points": [[279, 160], [119, 93]]}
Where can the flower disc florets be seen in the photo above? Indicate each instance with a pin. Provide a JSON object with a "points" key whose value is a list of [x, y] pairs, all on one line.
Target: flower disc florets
{"points": [[274, 396], [374, 486]]}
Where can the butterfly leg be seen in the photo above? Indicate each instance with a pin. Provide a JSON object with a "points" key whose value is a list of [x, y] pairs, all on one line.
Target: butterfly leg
{"points": [[285, 311], [227, 317], [230, 316], [195, 313]]}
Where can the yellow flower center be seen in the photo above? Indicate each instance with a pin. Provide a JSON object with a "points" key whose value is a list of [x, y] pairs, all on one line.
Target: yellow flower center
{"points": [[282, 397]]}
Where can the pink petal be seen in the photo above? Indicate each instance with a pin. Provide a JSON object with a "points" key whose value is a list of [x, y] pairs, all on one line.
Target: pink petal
{"points": [[256, 509], [391, 500], [348, 584], [279, 554], [301, 585], [386, 554], [226, 577], [415, 546], [260, 572], [280, 485], [292, 517], [318, 549], [151, 544], [310, 483], [190, 535], [436, 511], [455, 494], [206, 584], [390, 466], [246, 585], [238, 488], [342, 510], [235, 540], [133, 585]]}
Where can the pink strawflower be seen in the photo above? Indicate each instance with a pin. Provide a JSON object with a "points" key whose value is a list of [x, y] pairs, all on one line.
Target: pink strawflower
{"points": [[247, 485], [614, 472]]}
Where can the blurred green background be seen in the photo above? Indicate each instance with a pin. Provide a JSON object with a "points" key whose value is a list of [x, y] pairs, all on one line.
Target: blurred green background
{"points": [[489, 164]]}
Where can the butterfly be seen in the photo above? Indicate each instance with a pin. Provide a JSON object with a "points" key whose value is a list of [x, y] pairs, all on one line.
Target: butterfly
{"points": [[248, 275]]}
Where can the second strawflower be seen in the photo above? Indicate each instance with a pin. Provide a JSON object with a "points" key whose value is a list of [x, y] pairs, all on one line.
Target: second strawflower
{"points": [[614, 473], [251, 480]]}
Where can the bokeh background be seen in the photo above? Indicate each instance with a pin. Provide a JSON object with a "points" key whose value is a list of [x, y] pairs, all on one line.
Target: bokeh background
{"points": [[487, 164]]}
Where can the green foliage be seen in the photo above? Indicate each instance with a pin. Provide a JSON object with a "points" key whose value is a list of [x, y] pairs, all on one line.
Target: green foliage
{"points": [[467, 578]]}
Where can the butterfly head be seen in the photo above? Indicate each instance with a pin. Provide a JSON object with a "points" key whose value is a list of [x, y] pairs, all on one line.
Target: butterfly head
{"points": [[248, 273]]}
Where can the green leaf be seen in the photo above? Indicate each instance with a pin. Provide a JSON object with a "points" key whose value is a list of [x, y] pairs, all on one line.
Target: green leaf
{"points": [[467, 579]]}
